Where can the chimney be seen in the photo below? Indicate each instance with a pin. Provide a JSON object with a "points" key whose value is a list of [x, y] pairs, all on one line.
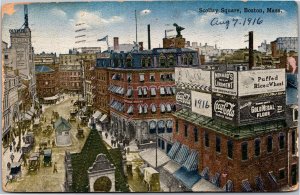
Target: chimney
{"points": [[251, 57], [188, 43], [141, 48], [149, 39], [116, 43]]}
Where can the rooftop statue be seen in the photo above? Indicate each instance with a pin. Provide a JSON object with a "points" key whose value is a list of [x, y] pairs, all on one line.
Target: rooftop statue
{"points": [[178, 30]]}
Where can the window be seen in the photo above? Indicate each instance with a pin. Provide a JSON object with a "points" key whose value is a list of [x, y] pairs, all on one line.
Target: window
{"points": [[196, 134], [171, 60], [281, 141], [6, 57], [257, 147], [176, 126], [185, 130], [162, 108], [152, 77], [218, 144], [230, 149], [293, 142], [162, 91], [269, 144], [140, 92], [281, 173], [142, 77], [129, 61], [206, 139], [162, 60], [244, 148], [295, 114], [153, 91], [129, 77]]}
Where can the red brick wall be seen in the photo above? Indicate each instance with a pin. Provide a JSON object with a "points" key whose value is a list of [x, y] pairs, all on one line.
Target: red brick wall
{"points": [[48, 90], [236, 169], [135, 100], [100, 81]]}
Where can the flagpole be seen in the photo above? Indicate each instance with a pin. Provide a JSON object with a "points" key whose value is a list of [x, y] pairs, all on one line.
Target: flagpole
{"points": [[107, 43], [135, 28]]}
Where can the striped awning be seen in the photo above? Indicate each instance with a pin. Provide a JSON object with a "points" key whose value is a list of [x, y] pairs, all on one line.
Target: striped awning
{"points": [[173, 151], [246, 187], [153, 91], [205, 173], [188, 178], [140, 91], [169, 109], [228, 187], [145, 109], [216, 179], [140, 109], [162, 108], [145, 91], [182, 154], [129, 92], [153, 108], [162, 91], [130, 110], [191, 163], [259, 183]]}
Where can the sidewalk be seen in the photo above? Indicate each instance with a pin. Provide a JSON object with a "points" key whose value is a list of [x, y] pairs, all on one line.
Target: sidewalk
{"points": [[6, 158]]}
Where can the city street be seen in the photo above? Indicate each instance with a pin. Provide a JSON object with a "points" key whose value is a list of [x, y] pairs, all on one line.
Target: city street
{"points": [[45, 180]]}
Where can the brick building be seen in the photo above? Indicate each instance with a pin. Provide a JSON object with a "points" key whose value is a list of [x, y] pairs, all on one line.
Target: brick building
{"points": [[48, 59], [226, 134], [47, 82], [141, 90]]}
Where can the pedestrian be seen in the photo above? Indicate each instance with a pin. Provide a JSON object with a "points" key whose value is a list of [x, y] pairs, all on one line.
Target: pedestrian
{"points": [[14, 143], [10, 147], [18, 148], [128, 150], [8, 166], [12, 157], [106, 135], [55, 168]]}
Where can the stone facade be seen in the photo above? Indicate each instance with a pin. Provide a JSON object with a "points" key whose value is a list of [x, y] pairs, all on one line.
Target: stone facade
{"points": [[101, 168]]}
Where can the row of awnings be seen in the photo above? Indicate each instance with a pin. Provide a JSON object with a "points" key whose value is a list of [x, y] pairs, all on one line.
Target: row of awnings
{"points": [[144, 108], [161, 125], [182, 155], [116, 89], [99, 116], [246, 187], [143, 91], [117, 105], [167, 90]]}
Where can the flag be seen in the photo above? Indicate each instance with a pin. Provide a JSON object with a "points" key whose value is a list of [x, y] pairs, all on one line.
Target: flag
{"points": [[103, 39]]}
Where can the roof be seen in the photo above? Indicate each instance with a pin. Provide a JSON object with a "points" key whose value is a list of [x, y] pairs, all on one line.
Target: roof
{"points": [[43, 69], [101, 163], [62, 125], [227, 129]]}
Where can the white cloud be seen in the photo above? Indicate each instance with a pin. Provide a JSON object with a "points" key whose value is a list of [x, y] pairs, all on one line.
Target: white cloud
{"points": [[190, 13], [207, 17], [95, 19], [145, 12], [58, 12]]}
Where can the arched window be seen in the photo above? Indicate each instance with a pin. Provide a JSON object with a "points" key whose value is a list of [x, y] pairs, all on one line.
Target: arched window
{"points": [[257, 147], [269, 144], [281, 141], [162, 60], [230, 149], [152, 127], [244, 148], [169, 126], [171, 60], [129, 61], [161, 126]]}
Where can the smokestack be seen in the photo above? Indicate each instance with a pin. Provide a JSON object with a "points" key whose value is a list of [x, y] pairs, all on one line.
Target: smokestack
{"points": [[251, 57], [116, 43], [149, 39], [141, 48]]}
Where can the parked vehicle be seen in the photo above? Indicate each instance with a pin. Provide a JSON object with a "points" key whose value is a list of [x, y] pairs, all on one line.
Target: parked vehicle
{"points": [[48, 157], [34, 162]]}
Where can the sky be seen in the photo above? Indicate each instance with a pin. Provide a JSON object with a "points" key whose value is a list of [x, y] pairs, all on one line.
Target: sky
{"points": [[53, 25]]}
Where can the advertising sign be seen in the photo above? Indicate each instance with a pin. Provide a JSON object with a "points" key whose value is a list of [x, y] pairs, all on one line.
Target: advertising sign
{"points": [[192, 78], [201, 103], [262, 109], [261, 81], [225, 108], [183, 97], [224, 82]]}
